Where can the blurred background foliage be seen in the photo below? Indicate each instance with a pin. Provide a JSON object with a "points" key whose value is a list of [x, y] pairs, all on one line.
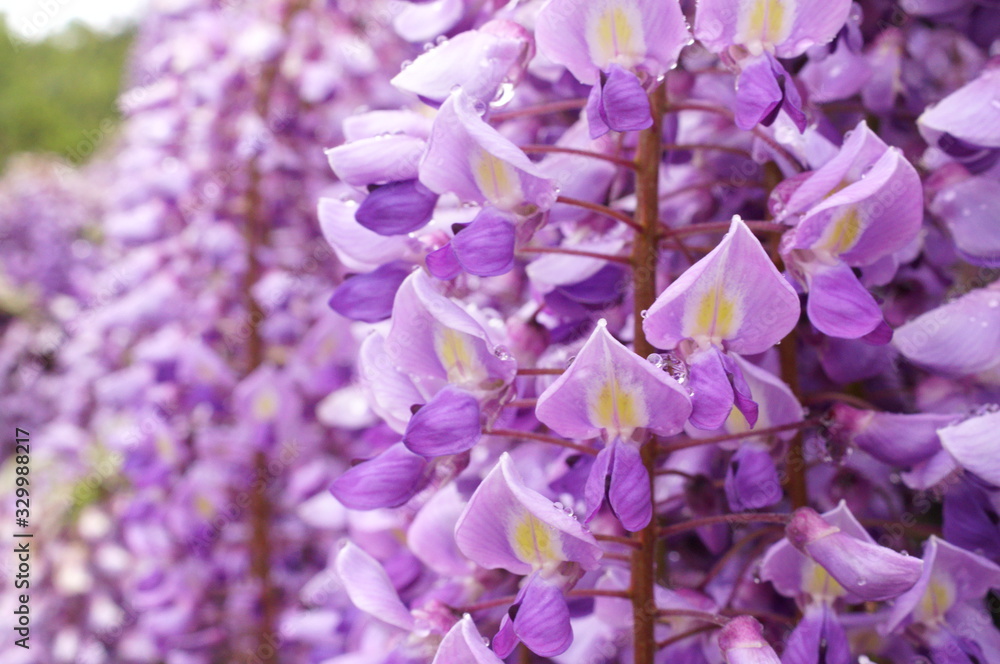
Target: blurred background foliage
{"points": [[55, 90]]}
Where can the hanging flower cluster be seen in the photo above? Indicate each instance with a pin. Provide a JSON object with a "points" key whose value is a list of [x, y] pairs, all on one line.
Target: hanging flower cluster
{"points": [[664, 321]]}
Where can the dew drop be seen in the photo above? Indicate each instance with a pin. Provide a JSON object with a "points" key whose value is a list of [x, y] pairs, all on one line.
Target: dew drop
{"points": [[405, 64], [644, 313], [862, 582], [505, 93], [570, 361], [428, 46], [440, 40], [502, 353], [656, 360]]}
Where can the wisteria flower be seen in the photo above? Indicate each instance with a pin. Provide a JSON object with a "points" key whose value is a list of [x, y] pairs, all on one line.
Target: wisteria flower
{"points": [[614, 46], [609, 391], [732, 301], [507, 525]]}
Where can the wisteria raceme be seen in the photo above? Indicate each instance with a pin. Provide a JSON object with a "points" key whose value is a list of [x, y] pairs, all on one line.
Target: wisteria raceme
{"points": [[623, 331]]}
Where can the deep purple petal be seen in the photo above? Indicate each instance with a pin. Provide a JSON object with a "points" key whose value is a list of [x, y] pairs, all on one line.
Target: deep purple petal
{"points": [[368, 297], [388, 480], [397, 208], [485, 247], [624, 102], [629, 490], [447, 424], [839, 305], [542, 620]]}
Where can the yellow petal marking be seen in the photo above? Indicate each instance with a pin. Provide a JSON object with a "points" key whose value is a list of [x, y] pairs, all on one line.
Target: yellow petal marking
{"points": [[533, 541], [937, 599], [614, 35], [457, 357], [265, 405], [765, 23], [497, 180], [712, 316], [819, 584], [617, 408], [737, 422], [842, 233]]}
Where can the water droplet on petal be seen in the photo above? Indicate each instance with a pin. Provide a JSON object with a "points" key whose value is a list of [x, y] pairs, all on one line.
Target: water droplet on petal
{"points": [[502, 353], [656, 360], [505, 93], [570, 361], [644, 313], [862, 582]]}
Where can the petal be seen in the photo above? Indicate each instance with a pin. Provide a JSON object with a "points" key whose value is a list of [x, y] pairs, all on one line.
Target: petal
{"points": [[629, 492], [970, 519], [478, 61], [468, 157], [733, 295], [973, 444], [796, 575], [970, 114], [758, 94], [421, 21], [867, 570], [791, 26], [839, 305], [463, 644], [893, 438], [970, 209], [712, 398], [368, 297], [369, 588], [357, 247], [961, 337], [742, 398], [819, 638], [509, 526], [596, 488], [776, 404], [742, 642], [397, 208], [431, 535], [951, 576], [387, 480], [443, 263], [389, 392], [610, 389], [624, 102], [861, 149], [596, 120], [437, 341], [485, 247], [505, 640], [591, 35], [752, 481], [879, 214], [542, 620], [378, 159], [448, 424]]}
